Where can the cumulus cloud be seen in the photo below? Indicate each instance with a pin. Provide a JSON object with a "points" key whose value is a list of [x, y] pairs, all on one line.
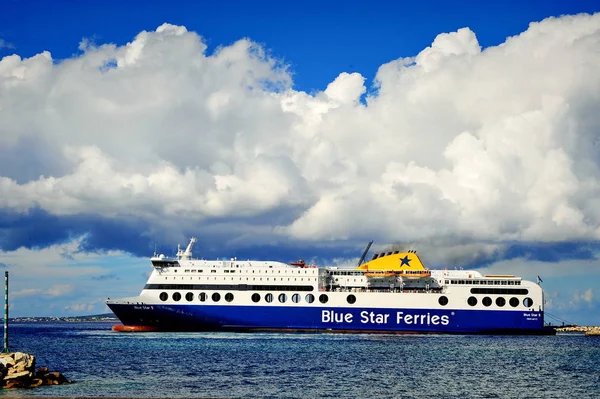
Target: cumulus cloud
{"points": [[495, 144]]}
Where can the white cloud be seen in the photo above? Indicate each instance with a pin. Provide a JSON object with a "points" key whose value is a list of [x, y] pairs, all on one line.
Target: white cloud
{"points": [[493, 144], [586, 296], [5, 44], [81, 308], [57, 290]]}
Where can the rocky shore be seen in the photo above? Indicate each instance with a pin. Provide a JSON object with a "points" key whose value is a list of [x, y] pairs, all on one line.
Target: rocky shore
{"points": [[17, 370], [588, 330]]}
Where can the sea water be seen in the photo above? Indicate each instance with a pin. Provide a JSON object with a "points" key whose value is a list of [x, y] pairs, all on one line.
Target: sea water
{"points": [[103, 363]]}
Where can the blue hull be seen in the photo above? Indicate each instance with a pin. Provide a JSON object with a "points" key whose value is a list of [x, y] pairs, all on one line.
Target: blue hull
{"points": [[278, 318]]}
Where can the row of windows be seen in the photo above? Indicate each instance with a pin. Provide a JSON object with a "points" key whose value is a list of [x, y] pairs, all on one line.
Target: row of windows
{"points": [[484, 282], [257, 270], [500, 291], [229, 287], [500, 301], [256, 297], [323, 298], [247, 278], [296, 298]]}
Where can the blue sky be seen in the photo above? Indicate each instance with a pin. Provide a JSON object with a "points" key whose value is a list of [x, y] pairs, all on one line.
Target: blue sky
{"points": [[276, 130]]}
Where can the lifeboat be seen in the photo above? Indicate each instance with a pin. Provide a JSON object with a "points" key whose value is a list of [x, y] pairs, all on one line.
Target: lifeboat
{"points": [[414, 274], [380, 273]]}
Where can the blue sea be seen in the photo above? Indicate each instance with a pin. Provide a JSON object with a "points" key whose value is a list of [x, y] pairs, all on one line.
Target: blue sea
{"points": [[103, 363]]}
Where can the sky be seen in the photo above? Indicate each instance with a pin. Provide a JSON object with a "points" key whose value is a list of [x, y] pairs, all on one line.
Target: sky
{"points": [[467, 131]]}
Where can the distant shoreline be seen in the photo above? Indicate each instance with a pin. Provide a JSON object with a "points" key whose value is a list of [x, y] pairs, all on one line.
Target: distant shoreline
{"points": [[69, 319]]}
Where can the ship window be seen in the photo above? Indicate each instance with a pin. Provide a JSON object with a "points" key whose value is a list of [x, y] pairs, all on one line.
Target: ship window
{"points": [[310, 298], [269, 298], [229, 297], [163, 296], [323, 298], [472, 301], [176, 296], [255, 298], [527, 302], [514, 302], [487, 301], [216, 297], [202, 296], [282, 298], [443, 300], [351, 299], [213, 271], [296, 298], [189, 297], [500, 301]]}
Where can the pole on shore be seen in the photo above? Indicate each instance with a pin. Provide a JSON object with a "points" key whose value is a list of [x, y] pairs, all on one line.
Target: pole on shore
{"points": [[5, 350]]}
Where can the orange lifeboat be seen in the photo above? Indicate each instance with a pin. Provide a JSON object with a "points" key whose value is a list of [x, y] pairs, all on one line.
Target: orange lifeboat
{"points": [[414, 274], [380, 273]]}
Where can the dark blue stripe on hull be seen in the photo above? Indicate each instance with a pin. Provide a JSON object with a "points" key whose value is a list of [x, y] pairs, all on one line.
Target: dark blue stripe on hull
{"points": [[277, 318]]}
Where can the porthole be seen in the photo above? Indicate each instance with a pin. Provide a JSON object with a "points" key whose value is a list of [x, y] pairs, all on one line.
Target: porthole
{"points": [[229, 297], [514, 302], [202, 296], [282, 298], [472, 301], [189, 297], [176, 296], [163, 296], [351, 299], [269, 298], [487, 301], [323, 298], [310, 298], [216, 297], [255, 298], [443, 300], [527, 302], [500, 301], [296, 298]]}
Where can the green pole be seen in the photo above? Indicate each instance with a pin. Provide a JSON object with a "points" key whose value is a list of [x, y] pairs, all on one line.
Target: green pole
{"points": [[5, 312]]}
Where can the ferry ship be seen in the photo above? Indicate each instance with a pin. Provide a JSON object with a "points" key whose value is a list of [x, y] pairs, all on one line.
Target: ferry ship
{"points": [[391, 293]]}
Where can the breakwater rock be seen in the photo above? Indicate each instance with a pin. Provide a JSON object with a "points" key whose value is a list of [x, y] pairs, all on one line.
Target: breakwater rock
{"points": [[17, 370], [595, 332], [588, 330]]}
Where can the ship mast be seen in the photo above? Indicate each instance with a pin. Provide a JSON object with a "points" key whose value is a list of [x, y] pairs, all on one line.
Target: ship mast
{"points": [[187, 254], [362, 258]]}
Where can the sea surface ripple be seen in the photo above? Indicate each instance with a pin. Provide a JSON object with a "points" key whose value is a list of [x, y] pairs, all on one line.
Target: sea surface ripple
{"points": [[104, 363]]}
